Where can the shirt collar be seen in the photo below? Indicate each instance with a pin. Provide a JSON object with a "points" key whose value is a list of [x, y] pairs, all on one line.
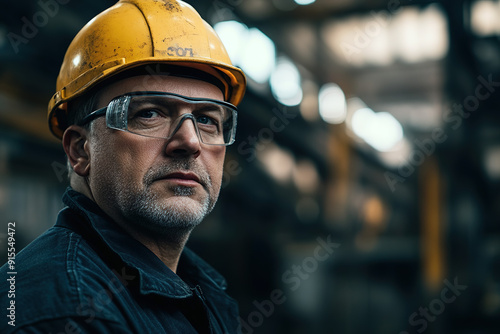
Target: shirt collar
{"points": [[154, 275]]}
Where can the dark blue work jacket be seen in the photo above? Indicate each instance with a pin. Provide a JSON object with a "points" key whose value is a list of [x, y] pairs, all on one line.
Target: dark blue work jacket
{"points": [[87, 275]]}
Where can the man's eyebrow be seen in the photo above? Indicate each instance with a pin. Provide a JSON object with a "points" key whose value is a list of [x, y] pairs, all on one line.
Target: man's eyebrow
{"points": [[152, 99], [170, 105], [173, 102], [208, 107]]}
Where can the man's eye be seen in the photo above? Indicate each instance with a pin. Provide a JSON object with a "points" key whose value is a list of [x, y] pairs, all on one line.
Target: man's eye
{"points": [[206, 120], [149, 113]]}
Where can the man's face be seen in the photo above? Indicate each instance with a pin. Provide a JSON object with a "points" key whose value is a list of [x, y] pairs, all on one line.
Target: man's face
{"points": [[155, 186]]}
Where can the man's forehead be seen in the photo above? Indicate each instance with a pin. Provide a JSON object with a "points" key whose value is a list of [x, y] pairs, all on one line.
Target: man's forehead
{"points": [[189, 87]]}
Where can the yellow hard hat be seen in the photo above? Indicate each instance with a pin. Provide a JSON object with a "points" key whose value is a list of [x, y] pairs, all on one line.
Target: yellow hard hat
{"points": [[135, 33]]}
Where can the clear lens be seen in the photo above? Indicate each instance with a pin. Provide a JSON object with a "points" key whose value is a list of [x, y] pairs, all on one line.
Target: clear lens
{"points": [[160, 115]]}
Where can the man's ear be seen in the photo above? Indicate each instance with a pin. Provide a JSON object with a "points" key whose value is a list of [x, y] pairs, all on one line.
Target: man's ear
{"points": [[75, 144]]}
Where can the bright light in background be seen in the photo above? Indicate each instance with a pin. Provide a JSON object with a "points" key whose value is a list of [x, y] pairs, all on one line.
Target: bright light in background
{"points": [[485, 18], [398, 155], [250, 49], [420, 34], [380, 130], [339, 36], [286, 83], [278, 162], [434, 33], [492, 162], [412, 35], [232, 34], [407, 35], [379, 51], [361, 122], [353, 104], [332, 104], [309, 104], [306, 176], [304, 2], [258, 56], [358, 121]]}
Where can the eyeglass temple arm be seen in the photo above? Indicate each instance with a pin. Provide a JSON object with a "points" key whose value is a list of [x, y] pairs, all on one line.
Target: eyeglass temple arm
{"points": [[92, 116]]}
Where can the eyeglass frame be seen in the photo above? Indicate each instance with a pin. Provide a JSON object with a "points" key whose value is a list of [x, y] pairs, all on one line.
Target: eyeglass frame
{"points": [[103, 111]]}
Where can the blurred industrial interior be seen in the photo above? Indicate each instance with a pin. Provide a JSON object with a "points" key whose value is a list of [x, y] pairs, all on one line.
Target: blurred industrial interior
{"points": [[371, 125]]}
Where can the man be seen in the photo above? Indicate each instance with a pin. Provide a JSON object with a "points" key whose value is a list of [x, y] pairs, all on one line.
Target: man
{"points": [[144, 107]]}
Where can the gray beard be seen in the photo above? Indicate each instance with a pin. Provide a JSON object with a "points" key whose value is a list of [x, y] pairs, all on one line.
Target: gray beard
{"points": [[173, 220]]}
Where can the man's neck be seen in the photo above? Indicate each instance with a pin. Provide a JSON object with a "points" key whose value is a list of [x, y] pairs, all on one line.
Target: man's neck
{"points": [[169, 252]]}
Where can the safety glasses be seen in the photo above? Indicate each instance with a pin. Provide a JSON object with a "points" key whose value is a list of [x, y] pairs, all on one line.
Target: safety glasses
{"points": [[160, 115]]}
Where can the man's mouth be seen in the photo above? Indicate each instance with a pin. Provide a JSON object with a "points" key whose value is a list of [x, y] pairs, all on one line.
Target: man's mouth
{"points": [[183, 178]]}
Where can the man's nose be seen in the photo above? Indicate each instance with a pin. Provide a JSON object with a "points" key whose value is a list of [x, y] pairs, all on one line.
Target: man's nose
{"points": [[184, 138]]}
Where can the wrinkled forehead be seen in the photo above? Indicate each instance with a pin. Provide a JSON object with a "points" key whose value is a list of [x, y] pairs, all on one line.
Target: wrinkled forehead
{"points": [[169, 98], [189, 87]]}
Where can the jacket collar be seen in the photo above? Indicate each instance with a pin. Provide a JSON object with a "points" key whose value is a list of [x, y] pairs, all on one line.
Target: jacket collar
{"points": [[154, 276]]}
